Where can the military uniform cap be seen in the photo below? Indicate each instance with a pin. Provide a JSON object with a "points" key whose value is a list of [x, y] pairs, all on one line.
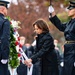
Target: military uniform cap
{"points": [[71, 5], [4, 3]]}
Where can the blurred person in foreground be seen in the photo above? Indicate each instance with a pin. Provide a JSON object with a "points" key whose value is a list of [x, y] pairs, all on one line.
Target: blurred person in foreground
{"points": [[69, 33], [27, 48], [44, 51], [4, 38], [22, 68]]}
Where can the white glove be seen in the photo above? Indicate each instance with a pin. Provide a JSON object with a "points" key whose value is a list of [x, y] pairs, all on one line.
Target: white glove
{"points": [[3, 61], [62, 64], [50, 9], [74, 64]]}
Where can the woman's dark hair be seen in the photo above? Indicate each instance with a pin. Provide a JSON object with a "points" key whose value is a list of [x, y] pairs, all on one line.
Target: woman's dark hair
{"points": [[41, 24]]}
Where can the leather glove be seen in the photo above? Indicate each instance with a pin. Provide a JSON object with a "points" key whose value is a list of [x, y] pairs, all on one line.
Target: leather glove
{"points": [[50, 9], [4, 61]]}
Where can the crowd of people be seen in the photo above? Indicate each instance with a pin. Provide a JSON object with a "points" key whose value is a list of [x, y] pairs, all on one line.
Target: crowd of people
{"points": [[43, 53]]}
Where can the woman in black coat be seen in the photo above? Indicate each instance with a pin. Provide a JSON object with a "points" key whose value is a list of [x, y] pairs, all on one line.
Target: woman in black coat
{"points": [[44, 50], [69, 33]]}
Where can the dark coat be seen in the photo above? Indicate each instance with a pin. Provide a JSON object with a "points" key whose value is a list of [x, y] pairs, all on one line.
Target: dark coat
{"points": [[46, 54], [4, 43], [69, 48]]}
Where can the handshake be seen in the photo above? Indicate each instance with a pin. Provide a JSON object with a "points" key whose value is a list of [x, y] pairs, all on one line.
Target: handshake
{"points": [[50, 9]]}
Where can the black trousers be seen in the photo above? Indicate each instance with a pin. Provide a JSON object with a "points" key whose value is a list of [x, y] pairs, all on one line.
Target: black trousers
{"points": [[22, 69], [4, 69]]}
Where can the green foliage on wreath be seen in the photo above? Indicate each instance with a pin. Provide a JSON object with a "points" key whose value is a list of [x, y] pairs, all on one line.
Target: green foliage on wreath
{"points": [[13, 56]]}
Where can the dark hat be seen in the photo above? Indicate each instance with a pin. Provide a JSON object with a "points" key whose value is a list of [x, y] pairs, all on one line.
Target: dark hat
{"points": [[4, 3], [72, 5]]}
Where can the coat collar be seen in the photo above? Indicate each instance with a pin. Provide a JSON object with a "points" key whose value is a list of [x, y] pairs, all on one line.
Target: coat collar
{"points": [[72, 21], [1, 14], [42, 34]]}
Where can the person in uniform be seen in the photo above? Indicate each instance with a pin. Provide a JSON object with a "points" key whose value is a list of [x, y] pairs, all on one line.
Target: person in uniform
{"points": [[44, 51], [69, 33], [4, 38]]}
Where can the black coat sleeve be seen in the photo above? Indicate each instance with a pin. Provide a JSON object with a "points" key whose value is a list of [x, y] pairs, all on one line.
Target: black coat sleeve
{"points": [[46, 46], [55, 20], [5, 40]]}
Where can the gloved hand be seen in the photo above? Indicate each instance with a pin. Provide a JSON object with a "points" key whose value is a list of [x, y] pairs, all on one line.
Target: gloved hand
{"points": [[62, 64], [4, 61], [74, 64], [50, 9]]}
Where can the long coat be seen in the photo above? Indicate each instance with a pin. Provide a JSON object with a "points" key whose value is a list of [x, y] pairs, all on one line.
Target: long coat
{"points": [[69, 48], [46, 54], [4, 43]]}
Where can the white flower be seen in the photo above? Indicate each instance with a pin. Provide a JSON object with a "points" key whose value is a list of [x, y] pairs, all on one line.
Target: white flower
{"points": [[15, 24]]}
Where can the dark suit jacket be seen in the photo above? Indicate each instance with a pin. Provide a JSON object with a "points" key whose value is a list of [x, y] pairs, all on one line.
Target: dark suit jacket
{"points": [[4, 37], [4, 43], [69, 48]]}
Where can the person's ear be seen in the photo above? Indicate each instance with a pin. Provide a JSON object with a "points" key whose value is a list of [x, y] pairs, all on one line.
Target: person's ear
{"points": [[3, 8]]}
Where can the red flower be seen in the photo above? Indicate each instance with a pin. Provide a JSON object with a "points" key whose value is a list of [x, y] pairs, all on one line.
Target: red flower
{"points": [[10, 22], [20, 45], [16, 43], [18, 38], [19, 54]]}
